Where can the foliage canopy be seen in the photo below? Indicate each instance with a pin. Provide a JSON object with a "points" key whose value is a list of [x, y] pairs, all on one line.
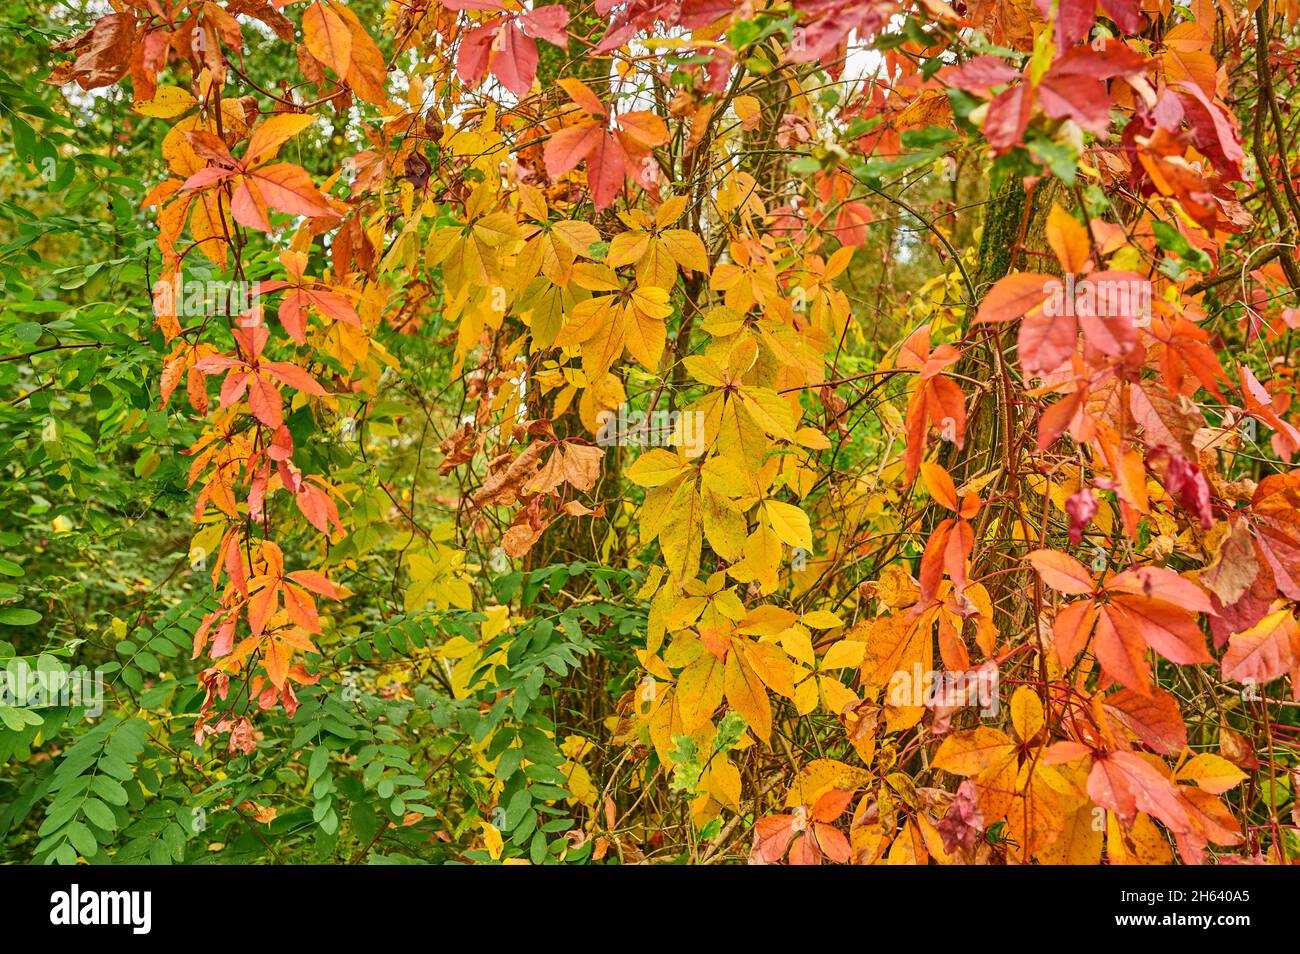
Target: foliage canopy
{"points": [[809, 431]]}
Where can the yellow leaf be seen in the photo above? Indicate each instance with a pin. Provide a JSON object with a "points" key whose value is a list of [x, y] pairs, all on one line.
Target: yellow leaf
{"points": [[1212, 773], [1026, 713], [798, 644], [578, 781], [745, 108], [845, 654], [789, 523], [168, 103], [933, 840], [644, 337], [761, 560], [681, 534], [930, 108], [821, 776], [970, 753], [806, 696], [895, 644], [492, 839], [1143, 844], [836, 696], [745, 693], [670, 211], [596, 277], [722, 781], [812, 439], [896, 588], [770, 411], [821, 619], [1079, 840], [724, 526], [686, 248], [498, 617], [773, 666], [700, 690]]}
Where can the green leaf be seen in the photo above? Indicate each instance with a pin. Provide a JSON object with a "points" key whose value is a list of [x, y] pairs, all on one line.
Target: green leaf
{"points": [[81, 838], [13, 616], [100, 814], [109, 790]]}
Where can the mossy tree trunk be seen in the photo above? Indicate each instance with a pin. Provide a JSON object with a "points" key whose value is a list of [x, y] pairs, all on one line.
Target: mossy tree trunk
{"points": [[577, 538], [1015, 225]]}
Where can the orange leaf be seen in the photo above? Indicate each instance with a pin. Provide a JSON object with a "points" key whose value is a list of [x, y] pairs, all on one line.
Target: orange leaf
{"points": [[1062, 572], [1014, 295], [328, 38]]}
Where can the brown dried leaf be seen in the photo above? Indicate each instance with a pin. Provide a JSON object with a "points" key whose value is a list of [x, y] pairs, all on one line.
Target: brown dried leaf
{"points": [[505, 487]]}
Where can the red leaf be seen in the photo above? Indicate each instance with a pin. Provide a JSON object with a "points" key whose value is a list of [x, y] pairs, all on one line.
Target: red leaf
{"points": [[833, 843], [301, 608], [1266, 651], [105, 52], [295, 377], [1155, 719], [771, 838], [1169, 630], [606, 169], [1008, 115], [318, 508], [514, 59], [568, 147], [1046, 341], [831, 805], [804, 851], [315, 581], [1074, 18], [1122, 654], [1158, 583], [1188, 486], [1081, 507], [1259, 404], [1085, 101], [1054, 421], [1213, 131], [475, 53], [293, 314], [1074, 624], [264, 399], [547, 23], [334, 305], [979, 74], [1127, 14]]}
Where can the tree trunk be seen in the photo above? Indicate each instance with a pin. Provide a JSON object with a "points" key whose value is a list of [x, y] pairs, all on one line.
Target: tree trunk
{"points": [[576, 538], [1015, 223]]}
